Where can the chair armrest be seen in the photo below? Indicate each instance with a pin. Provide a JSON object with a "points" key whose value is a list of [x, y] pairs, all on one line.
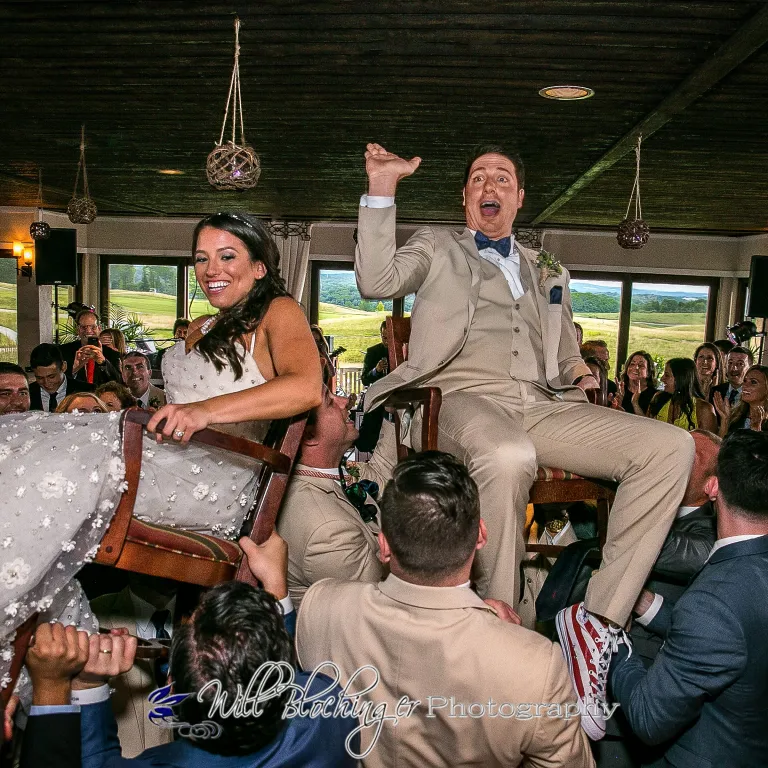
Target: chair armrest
{"points": [[218, 439], [431, 398]]}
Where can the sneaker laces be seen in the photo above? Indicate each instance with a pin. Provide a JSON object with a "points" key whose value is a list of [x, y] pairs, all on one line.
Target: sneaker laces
{"points": [[609, 640]]}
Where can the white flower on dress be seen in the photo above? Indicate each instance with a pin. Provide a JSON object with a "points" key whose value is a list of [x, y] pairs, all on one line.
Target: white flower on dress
{"points": [[73, 449], [200, 491], [116, 470], [196, 469], [172, 497], [98, 522], [52, 485], [26, 448], [243, 500], [46, 521], [69, 425], [106, 505], [15, 572], [123, 487], [44, 603], [20, 491], [149, 454], [95, 437], [90, 554], [67, 546], [6, 681], [71, 488], [20, 470], [213, 498], [12, 608], [7, 541], [94, 478], [7, 654], [5, 452]]}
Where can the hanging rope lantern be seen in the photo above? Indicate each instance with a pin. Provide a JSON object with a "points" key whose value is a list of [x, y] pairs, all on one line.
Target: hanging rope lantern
{"points": [[81, 210], [232, 165], [40, 230], [634, 233]]}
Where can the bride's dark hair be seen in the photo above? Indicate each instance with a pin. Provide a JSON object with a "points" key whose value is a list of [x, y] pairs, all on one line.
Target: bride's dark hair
{"points": [[218, 345]]}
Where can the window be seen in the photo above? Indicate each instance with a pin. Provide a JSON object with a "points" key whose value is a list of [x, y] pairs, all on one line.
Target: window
{"points": [[9, 351], [596, 307], [667, 319]]}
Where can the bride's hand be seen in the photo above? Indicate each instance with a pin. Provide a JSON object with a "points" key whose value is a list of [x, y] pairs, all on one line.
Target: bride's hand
{"points": [[181, 421]]}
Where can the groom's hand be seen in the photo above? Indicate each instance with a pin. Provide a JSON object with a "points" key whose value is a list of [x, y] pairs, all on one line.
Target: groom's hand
{"points": [[588, 382], [385, 169]]}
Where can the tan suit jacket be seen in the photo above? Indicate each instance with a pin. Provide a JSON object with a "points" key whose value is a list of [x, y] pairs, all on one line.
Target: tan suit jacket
{"points": [[326, 536], [129, 700], [442, 267], [431, 644]]}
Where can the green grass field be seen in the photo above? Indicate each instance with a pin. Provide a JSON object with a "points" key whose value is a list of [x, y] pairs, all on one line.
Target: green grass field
{"points": [[157, 310]]}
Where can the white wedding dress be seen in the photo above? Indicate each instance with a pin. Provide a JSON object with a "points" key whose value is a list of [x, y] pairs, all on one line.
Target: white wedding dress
{"points": [[62, 476]]}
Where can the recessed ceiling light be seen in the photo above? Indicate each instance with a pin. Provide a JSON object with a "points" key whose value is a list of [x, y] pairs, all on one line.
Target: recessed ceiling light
{"points": [[566, 92], [171, 172]]}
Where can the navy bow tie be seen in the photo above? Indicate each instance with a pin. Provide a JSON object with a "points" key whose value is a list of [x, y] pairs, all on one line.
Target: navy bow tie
{"points": [[502, 246]]}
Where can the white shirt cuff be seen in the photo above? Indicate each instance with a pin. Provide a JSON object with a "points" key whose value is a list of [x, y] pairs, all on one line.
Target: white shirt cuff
{"points": [[376, 201], [90, 695], [286, 605], [650, 614]]}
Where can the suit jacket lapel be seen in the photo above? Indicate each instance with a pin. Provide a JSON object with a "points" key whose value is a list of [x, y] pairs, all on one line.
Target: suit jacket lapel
{"points": [[467, 241]]}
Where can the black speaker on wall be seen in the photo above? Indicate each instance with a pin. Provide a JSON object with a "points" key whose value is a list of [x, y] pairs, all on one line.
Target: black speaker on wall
{"points": [[757, 300], [56, 258]]}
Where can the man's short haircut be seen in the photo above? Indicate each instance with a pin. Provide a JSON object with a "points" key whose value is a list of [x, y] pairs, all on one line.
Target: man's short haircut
{"points": [[7, 369], [595, 343], [743, 351], [383, 325], [742, 473], [83, 312], [233, 631], [44, 355], [138, 353], [430, 513], [496, 149], [181, 322]]}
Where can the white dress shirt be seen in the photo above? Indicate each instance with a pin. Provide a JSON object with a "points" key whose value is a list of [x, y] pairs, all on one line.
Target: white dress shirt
{"points": [[509, 266], [61, 393]]}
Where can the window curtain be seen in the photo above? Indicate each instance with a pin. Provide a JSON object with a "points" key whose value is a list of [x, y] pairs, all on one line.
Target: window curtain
{"points": [[292, 240]]}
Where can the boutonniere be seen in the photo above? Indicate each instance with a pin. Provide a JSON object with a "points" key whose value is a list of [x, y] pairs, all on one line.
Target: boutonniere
{"points": [[548, 266], [353, 471], [153, 403]]}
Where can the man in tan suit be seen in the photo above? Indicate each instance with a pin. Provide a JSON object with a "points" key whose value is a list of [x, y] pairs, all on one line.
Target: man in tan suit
{"points": [[492, 327], [325, 532], [462, 683]]}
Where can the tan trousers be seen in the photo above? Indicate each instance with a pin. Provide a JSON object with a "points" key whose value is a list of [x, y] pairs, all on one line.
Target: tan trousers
{"points": [[502, 440]]}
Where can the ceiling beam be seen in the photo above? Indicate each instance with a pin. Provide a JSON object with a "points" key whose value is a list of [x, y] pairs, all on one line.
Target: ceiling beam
{"points": [[743, 43], [117, 205]]}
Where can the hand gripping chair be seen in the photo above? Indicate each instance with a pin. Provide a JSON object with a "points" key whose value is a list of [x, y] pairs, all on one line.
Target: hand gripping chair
{"points": [[552, 486], [186, 556]]}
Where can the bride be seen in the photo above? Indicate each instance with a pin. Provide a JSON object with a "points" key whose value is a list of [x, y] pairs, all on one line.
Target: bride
{"points": [[63, 474]]}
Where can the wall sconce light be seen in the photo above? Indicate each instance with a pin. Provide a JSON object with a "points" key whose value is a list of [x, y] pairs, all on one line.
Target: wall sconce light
{"points": [[24, 255]]}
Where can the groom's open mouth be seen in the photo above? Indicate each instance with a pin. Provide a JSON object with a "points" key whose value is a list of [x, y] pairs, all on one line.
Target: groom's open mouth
{"points": [[489, 208], [217, 286]]}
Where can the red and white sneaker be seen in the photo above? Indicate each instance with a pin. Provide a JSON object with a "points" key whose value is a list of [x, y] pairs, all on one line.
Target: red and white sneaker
{"points": [[588, 645]]}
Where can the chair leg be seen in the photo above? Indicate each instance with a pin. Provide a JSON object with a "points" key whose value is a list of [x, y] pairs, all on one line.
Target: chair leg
{"points": [[20, 644]]}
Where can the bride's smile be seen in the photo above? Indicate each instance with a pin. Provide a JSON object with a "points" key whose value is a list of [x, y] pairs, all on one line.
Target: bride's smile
{"points": [[224, 268]]}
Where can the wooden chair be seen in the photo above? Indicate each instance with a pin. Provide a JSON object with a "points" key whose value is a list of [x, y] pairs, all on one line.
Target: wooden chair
{"points": [[552, 486], [186, 556]]}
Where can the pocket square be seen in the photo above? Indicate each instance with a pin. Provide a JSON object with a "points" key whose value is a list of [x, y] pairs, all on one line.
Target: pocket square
{"points": [[556, 294]]}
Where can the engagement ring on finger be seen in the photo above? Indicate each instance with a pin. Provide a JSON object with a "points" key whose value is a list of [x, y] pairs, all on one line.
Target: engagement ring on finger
{"points": [[179, 433]]}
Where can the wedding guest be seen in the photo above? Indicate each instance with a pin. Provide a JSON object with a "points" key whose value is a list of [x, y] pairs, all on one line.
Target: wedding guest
{"points": [[599, 348], [87, 359], [752, 410], [709, 368], [679, 403], [736, 364], [115, 396], [136, 373], [638, 384], [52, 383], [600, 373], [14, 389], [82, 402], [113, 338]]}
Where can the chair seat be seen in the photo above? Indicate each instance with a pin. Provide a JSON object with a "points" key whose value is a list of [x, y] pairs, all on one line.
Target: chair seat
{"points": [[547, 474], [186, 543]]}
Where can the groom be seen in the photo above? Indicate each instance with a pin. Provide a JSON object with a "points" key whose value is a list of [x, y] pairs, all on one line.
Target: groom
{"points": [[492, 327]]}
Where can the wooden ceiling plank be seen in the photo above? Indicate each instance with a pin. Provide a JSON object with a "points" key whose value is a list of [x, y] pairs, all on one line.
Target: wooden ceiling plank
{"points": [[749, 38]]}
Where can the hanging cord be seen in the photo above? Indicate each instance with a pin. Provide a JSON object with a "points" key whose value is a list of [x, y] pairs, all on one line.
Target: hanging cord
{"points": [[80, 164], [39, 194], [636, 187], [234, 97]]}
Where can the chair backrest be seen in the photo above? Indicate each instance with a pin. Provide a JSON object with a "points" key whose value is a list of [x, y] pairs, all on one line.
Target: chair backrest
{"points": [[398, 330]]}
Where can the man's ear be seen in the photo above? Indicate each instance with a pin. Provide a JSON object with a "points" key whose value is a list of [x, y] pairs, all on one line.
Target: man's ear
{"points": [[64, 366], [711, 487], [385, 553], [482, 535], [463, 198], [520, 198]]}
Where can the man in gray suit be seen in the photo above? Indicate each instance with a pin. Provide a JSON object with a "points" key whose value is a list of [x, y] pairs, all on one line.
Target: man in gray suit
{"points": [[492, 326], [704, 697]]}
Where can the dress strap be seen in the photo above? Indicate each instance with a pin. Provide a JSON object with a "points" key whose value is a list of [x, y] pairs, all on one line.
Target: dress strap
{"points": [[253, 342]]}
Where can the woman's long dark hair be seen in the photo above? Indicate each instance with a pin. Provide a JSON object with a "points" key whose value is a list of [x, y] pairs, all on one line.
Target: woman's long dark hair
{"points": [[218, 345], [650, 380], [684, 372], [741, 411]]}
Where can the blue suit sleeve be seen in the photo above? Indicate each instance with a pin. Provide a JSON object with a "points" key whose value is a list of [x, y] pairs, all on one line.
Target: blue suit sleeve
{"points": [[99, 740], [705, 651], [662, 621], [290, 623]]}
